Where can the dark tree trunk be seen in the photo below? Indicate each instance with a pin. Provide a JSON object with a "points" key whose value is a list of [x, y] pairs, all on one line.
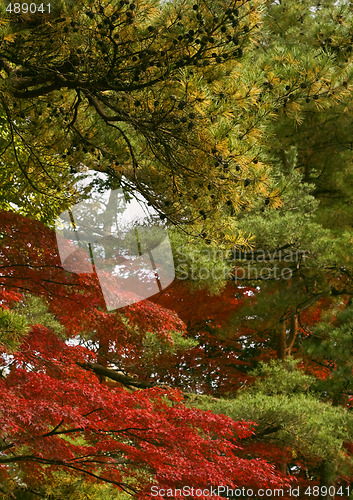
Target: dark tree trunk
{"points": [[282, 341], [327, 476]]}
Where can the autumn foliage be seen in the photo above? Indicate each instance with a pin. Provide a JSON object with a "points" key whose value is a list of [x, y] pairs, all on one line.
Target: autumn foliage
{"points": [[58, 413]]}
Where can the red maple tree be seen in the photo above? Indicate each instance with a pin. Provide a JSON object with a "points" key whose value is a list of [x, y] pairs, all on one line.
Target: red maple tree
{"points": [[60, 413]]}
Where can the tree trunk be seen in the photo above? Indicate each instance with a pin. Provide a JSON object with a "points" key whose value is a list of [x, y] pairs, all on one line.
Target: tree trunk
{"points": [[282, 341], [283, 462], [293, 333], [327, 476]]}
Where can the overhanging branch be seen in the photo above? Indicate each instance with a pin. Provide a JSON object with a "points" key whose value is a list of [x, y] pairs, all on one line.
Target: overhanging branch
{"points": [[115, 375]]}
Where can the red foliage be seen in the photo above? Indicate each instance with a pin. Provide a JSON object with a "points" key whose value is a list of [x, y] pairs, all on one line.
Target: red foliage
{"points": [[56, 414], [221, 361]]}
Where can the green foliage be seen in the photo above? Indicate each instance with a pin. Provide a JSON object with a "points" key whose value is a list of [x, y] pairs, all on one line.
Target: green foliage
{"points": [[62, 486], [166, 99], [15, 323], [34, 310], [13, 328], [155, 346], [280, 378], [201, 263], [291, 225], [331, 345], [33, 181], [286, 412]]}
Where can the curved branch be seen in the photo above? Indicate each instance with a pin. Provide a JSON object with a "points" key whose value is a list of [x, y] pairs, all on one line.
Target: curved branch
{"points": [[115, 375]]}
